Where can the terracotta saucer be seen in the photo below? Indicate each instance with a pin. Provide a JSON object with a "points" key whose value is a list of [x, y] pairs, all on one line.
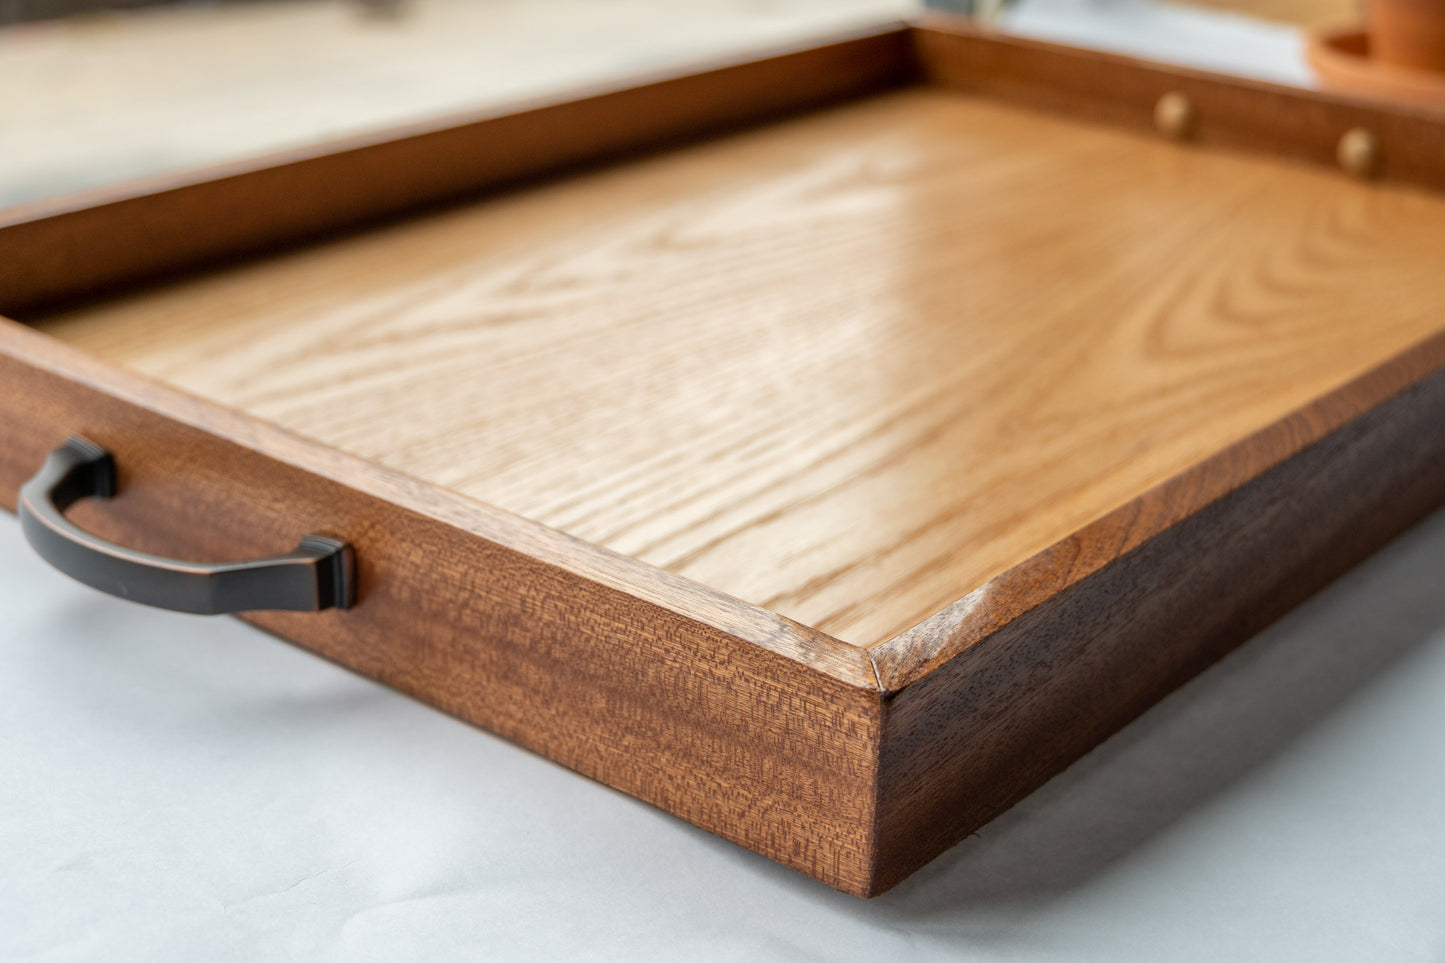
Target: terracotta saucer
{"points": [[1341, 59]]}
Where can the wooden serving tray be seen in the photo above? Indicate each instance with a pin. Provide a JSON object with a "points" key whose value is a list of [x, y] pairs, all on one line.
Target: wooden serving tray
{"points": [[826, 448]]}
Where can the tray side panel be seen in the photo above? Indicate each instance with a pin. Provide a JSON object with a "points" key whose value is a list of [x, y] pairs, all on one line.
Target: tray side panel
{"points": [[78, 247], [765, 749], [999, 719], [1232, 112]]}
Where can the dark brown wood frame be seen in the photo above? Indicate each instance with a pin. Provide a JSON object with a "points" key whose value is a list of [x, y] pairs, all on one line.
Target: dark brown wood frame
{"points": [[854, 765]]}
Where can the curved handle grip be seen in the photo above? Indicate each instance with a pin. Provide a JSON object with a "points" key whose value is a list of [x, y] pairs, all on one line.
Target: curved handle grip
{"points": [[318, 575]]}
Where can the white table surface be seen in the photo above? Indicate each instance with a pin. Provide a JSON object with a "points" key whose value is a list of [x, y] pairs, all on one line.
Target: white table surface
{"points": [[176, 788], [181, 788]]}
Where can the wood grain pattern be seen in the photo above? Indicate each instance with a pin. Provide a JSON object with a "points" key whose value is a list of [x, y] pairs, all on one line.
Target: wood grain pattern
{"points": [[1048, 661], [85, 244], [912, 655], [846, 369], [752, 727], [1139, 398]]}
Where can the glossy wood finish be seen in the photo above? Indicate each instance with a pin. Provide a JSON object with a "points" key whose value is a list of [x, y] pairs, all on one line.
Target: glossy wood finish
{"points": [[1010, 684], [72, 247], [731, 717], [847, 368], [1030, 419]]}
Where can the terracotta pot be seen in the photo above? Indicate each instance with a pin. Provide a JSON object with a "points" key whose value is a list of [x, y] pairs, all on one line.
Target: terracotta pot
{"points": [[1341, 59], [1407, 33]]}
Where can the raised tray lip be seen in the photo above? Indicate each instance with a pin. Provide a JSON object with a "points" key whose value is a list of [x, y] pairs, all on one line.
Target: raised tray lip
{"points": [[148, 185], [916, 30], [751, 623], [297, 170], [911, 655], [933, 49]]}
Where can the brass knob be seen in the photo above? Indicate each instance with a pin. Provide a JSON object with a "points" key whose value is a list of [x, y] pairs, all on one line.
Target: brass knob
{"points": [[1359, 153], [1175, 116]]}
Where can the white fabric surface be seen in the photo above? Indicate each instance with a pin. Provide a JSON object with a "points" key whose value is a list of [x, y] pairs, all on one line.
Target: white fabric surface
{"points": [[177, 788]]}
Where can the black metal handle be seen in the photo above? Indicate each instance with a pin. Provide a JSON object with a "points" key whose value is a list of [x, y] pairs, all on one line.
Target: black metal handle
{"points": [[318, 575]]}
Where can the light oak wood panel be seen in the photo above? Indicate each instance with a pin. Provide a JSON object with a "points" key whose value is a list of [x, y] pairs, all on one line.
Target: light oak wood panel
{"points": [[849, 368], [1306, 13]]}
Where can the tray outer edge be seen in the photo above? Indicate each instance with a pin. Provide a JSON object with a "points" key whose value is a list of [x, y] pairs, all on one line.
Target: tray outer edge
{"points": [[750, 726], [998, 693]]}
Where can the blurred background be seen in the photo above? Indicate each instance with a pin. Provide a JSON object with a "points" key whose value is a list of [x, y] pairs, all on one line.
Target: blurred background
{"points": [[102, 91]]}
